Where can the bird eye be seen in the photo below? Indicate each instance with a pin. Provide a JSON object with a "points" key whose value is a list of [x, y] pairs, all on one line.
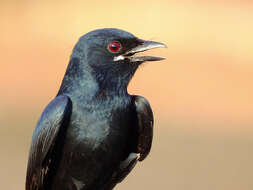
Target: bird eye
{"points": [[114, 47]]}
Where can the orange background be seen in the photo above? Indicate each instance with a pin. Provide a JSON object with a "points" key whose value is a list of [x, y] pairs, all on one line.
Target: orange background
{"points": [[202, 95]]}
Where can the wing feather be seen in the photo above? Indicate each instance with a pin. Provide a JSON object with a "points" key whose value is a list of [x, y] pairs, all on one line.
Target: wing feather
{"points": [[145, 126], [50, 129]]}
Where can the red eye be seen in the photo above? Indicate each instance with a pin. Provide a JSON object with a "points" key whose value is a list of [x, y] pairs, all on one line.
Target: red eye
{"points": [[114, 47]]}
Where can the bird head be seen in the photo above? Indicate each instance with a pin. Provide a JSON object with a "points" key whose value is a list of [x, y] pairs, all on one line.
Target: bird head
{"points": [[110, 56], [114, 46]]}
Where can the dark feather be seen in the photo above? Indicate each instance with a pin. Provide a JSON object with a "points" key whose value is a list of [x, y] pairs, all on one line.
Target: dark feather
{"points": [[44, 152], [145, 126], [90, 135], [144, 116]]}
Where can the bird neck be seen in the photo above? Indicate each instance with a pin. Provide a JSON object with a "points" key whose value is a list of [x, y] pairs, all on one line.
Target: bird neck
{"points": [[109, 85], [87, 82], [113, 79], [78, 81]]}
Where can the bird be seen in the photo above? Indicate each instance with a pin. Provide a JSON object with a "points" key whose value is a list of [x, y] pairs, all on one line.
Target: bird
{"points": [[93, 133]]}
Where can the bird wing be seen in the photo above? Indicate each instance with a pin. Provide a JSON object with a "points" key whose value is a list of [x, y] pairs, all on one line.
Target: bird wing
{"points": [[145, 122], [45, 147], [145, 126]]}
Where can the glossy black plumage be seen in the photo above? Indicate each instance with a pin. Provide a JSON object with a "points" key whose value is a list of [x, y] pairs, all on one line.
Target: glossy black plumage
{"points": [[88, 137]]}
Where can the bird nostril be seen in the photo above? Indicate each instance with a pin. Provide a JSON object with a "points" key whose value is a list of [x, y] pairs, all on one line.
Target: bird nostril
{"points": [[130, 54]]}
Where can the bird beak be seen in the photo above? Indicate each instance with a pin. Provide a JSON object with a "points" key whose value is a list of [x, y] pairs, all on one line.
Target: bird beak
{"points": [[144, 46]]}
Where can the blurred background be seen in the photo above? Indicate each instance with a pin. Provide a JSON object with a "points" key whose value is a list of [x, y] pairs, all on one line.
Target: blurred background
{"points": [[201, 95]]}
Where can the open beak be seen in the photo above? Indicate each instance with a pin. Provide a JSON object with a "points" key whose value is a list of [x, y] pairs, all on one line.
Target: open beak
{"points": [[144, 46]]}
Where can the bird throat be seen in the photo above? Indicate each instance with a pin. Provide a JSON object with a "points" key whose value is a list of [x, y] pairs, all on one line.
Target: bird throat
{"points": [[112, 84], [97, 80]]}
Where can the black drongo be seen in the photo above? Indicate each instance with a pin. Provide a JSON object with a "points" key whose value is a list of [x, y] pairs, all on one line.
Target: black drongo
{"points": [[93, 133]]}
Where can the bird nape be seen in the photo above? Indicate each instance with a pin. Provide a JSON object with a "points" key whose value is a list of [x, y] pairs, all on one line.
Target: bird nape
{"points": [[91, 135]]}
